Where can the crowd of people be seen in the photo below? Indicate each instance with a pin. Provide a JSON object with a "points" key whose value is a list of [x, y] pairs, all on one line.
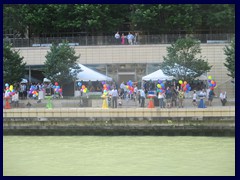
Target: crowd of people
{"points": [[172, 96], [22, 91], [131, 39]]}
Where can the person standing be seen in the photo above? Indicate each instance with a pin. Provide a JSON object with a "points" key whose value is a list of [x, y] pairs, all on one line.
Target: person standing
{"points": [[210, 97], [143, 97], [174, 97], [135, 40], [135, 90], [223, 97], [130, 38], [126, 93], [123, 39], [23, 91], [194, 98], [168, 97], [161, 99], [117, 38], [202, 95], [114, 94], [122, 86], [181, 98], [15, 99], [139, 96]]}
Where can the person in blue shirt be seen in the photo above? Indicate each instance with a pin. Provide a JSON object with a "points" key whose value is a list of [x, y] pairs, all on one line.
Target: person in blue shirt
{"points": [[130, 38], [143, 97]]}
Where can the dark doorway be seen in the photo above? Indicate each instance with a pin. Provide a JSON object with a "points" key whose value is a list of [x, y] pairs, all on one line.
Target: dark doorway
{"points": [[125, 78]]}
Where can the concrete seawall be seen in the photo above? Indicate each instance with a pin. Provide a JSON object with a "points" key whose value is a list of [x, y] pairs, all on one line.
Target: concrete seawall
{"points": [[212, 121]]}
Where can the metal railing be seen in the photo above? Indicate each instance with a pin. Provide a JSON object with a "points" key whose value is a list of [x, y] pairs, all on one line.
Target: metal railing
{"points": [[110, 40]]}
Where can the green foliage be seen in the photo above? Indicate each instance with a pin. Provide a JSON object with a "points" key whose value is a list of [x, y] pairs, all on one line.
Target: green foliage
{"points": [[183, 60], [167, 18], [13, 65], [219, 16], [98, 19], [61, 64], [229, 51]]}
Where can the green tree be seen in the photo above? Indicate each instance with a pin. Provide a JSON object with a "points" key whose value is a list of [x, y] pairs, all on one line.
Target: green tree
{"points": [[229, 51], [218, 18], [13, 65], [61, 64], [168, 18], [183, 60], [13, 20], [98, 19]]}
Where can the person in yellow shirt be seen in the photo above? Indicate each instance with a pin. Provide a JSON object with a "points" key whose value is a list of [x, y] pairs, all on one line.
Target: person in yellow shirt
{"points": [[181, 97]]}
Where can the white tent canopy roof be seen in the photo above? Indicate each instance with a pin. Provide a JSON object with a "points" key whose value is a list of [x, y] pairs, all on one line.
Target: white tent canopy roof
{"points": [[27, 79], [202, 78], [46, 80], [24, 81], [183, 69], [88, 74], [157, 75]]}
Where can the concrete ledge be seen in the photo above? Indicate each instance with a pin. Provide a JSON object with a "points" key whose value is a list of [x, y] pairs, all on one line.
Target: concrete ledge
{"points": [[120, 112], [124, 121]]}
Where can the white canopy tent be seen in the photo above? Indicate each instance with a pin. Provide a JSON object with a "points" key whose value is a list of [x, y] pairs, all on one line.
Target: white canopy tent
{"points": [[202, 78], [88, 74], [157, 75], [29, 79], [184, 70], [24, 81], [46, 80]]}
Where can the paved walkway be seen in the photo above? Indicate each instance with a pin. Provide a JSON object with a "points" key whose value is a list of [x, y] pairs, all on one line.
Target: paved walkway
{"points": [[97, 103], [187, 103]]}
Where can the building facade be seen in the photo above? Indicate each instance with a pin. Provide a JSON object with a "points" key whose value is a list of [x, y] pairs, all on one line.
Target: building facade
{"points": [[132, 62]]}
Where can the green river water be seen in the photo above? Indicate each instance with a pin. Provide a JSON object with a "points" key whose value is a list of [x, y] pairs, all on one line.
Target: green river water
{"points": [[118, 155]]}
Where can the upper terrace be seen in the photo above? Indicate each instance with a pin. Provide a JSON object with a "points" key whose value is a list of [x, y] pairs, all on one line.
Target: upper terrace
{"points": [[84, 40]]}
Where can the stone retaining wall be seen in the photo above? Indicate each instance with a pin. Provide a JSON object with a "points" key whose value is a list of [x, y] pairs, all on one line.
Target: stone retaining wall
{"points": [[125, 121]]}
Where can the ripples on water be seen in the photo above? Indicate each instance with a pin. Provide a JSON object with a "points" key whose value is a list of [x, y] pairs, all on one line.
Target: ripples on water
{"points": [[118, 155]]}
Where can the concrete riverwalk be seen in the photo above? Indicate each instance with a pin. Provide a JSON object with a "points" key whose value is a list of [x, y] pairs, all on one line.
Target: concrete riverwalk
{"points": [[211, 121]]}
